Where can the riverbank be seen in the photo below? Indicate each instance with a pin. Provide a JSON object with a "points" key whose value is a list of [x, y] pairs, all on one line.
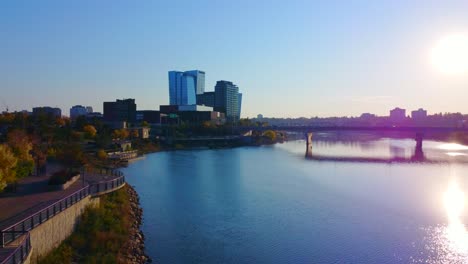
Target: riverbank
{"points": [[109, 233], [133, 251]]}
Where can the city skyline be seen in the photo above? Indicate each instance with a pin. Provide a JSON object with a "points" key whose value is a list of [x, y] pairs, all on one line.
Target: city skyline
{"points": [[343, 60]]}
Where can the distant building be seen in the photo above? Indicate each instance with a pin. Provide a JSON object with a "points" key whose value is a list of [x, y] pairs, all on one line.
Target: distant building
{"points": [[92, 115], [397, 114], [419, 114], [207, 98], [168, 109], [259, 116], [228, 100], [120, 111], [79, 110], [174, 114], [184, 86], [47, 110], [367, 115], [185, 108], [150, 116]]}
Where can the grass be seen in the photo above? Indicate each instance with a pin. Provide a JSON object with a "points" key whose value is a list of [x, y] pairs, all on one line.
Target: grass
{"points": [[100, 234]]}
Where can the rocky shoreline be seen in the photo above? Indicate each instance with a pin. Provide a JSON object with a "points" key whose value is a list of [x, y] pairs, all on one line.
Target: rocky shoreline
{"points": [[134, 249]]}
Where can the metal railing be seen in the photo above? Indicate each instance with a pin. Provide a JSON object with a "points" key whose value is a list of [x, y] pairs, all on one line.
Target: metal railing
{"points": [[14, 231], [105, 186], [104, 172], [19, 254], [26, 224]]}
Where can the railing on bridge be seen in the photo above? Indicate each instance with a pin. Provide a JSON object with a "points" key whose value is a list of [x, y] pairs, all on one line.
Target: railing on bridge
{"points": [[19, 254], [103, 172], [14, 231], [105, 186]]}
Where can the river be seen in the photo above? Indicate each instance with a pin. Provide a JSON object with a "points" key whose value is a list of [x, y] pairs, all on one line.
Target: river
{"points": [[270, 204]]}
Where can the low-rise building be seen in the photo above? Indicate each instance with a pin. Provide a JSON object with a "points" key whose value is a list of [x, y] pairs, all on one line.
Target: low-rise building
{"points": [[47, 110], [419, 114], [397, 114], [79, 110]]}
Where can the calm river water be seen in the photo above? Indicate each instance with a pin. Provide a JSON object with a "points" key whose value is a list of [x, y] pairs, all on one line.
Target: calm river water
{"points": [[272, 205]]}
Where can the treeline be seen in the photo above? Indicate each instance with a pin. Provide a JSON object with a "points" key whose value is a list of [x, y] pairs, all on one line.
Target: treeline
{"points": [[27, 142]]}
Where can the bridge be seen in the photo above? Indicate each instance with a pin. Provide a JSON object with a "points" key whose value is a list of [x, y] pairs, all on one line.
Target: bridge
{"points": [[415, 129], [417, 156]]}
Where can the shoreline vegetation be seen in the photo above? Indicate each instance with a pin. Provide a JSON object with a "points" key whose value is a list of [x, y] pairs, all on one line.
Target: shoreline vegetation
{"points": [[109, 233]]}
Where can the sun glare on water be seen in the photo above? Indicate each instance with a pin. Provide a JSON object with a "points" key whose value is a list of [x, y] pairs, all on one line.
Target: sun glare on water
{"points": [[457, 236], [450, 54]]}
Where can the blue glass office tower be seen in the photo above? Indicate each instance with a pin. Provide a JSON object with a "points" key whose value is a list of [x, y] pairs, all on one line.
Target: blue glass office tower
{"points": [[182, 89], [199, 80], [184, 86]]}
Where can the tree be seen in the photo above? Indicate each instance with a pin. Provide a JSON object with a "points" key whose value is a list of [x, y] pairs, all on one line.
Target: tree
{"points": [[120, 134], [270, 134], [21, 147], [90, 131], [20, 144], [8, 163], [80, 122], [71, 155], [134, 133], [101, 154]]}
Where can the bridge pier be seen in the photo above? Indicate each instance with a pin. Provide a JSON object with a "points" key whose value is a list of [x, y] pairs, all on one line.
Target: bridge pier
{"points": [[308, 144], [418, 151]]}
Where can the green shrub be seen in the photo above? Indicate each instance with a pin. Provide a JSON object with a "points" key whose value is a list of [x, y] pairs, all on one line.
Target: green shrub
{"points": [[100, 234]]}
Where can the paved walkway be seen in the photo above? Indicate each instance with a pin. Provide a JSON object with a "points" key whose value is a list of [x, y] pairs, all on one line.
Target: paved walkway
{"points": [[32, 195]]}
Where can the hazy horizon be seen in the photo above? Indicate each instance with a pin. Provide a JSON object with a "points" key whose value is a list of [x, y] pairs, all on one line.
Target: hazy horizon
{"points": [[329, 58]]}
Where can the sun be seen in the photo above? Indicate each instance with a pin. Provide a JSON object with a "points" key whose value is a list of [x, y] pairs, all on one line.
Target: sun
{"points": [[450, 54]]}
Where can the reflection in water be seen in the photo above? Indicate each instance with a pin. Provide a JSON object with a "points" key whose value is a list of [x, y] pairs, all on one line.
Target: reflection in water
{"points": [[449, 244], [454, 201], [455, 154], [452, 146]]}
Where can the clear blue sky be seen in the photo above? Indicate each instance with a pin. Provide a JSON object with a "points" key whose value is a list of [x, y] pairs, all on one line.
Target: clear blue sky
{"points": [[290, 58]]}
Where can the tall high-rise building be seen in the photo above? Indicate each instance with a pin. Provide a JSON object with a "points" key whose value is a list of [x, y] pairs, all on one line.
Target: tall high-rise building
{"points": [[184, 86], [228, 100], [199, 80], [120, 110]]}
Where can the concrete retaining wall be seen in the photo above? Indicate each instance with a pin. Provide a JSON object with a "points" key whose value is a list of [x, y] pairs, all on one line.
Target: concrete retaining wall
{"points": [[49, 235]]}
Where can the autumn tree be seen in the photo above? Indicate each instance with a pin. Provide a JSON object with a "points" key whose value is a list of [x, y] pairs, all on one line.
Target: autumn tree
{"points": [[134, 133], [21, 146], [270, 134], [101, 154], [90, 131], [71, 155], [120, 134], [8, 163]]}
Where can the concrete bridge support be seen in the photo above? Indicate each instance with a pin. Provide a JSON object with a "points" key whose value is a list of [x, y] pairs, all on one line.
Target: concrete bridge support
{"points": [[418, 151], [308, 144]]}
